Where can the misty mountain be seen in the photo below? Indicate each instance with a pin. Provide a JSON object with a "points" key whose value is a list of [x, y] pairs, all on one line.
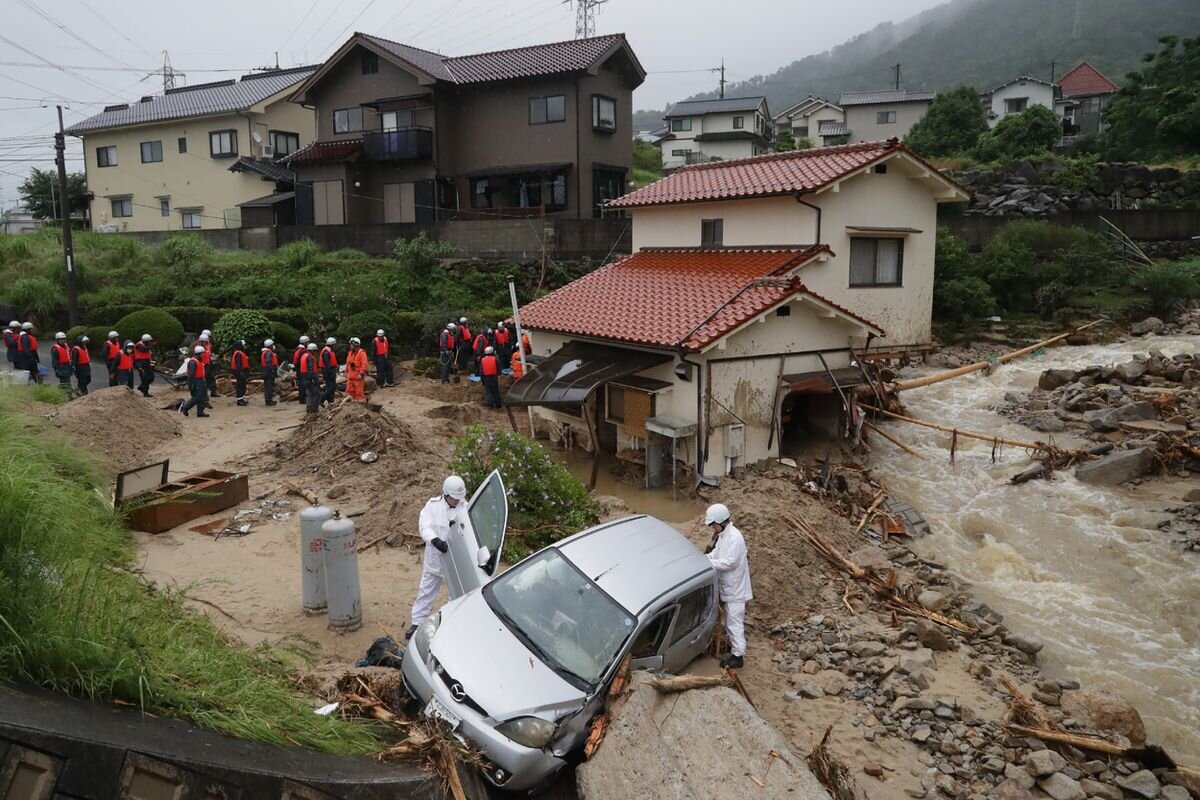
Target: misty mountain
{"points": [[980, 43]]}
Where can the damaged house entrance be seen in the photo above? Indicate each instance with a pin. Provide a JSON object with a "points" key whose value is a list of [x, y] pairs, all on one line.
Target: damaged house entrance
{"points": [[818, 407]]}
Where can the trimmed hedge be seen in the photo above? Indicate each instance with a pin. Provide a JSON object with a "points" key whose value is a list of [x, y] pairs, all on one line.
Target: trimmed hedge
{"points": [[163, 327], [290, 316], [245, 324], [363, 324], [196, 318], [284, 335]]}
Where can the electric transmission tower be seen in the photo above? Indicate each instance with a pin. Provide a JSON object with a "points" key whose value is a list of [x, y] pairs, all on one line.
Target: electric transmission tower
{"points": [[169, 73], [585, 16]]}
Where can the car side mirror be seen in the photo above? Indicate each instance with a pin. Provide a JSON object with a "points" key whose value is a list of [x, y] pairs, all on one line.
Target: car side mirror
{"points": [[483, 557]]}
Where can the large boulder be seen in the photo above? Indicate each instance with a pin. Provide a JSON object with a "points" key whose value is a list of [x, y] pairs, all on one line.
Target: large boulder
{"points": [[1105, 712], [1117, 468], [1148, 325], [1053, 378]]}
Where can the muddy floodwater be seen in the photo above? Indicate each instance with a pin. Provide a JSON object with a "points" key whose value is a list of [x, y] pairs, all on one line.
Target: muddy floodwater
{"points": [[1081, 568], [657, 502]]}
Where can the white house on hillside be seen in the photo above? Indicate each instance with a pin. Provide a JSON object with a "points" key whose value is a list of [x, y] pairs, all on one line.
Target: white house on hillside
{"points": [[708, 130], [755, 288], [1017, 95], [887, 114], [813, 118]]}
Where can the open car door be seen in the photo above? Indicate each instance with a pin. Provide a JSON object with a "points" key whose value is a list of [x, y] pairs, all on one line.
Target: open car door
{"points": [[474, 554]]}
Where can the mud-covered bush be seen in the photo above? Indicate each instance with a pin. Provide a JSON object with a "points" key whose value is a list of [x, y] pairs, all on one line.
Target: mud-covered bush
{"points": [[162, 327], [545, 501]]}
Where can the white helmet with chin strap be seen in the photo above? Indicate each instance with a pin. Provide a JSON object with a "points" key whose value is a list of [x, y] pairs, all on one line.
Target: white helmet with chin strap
{"points": [[455, 487], [717, 514]]}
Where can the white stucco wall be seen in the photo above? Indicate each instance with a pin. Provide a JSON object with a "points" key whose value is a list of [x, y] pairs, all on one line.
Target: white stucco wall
{"points": [[864, 126], [770, 220], [1038, 94]]}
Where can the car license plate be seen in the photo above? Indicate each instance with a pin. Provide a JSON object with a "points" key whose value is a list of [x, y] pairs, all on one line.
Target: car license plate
{"points": [[438, 710]]}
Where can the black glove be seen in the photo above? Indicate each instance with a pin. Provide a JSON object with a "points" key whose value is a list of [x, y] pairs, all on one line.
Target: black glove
{"points": [[441, 545]]}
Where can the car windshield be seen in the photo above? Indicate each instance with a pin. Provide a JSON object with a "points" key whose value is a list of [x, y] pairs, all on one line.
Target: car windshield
{"points": [[562, 616]]}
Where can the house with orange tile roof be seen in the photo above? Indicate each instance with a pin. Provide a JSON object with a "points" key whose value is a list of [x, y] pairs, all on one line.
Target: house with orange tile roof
{"points": [[1084, 92], [755, 289]]}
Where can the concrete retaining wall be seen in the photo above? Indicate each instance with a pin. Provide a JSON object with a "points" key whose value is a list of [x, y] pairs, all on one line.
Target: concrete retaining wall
{"points": [[1150, 225]]}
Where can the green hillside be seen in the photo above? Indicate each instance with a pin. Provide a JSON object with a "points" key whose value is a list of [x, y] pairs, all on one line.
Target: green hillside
{"points": [[981, 43]]}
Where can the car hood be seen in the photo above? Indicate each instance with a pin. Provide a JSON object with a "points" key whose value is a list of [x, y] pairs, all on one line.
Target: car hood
{"points": [[497, 671]]}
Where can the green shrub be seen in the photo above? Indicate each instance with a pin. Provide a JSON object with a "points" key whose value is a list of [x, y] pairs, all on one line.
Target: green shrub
{"points": [[298, 255], [185, 251], [196, 318], [1170, 283], [16, 248], [364, 324], [1081, 173], [284, 335], [346, 254], [291, 316], [48, 393], [98, 334], [77, 331], [35, 297], [245, 324], [545, 501], [1035, 130], [1050, 297], [163, 327], [427, 367], [962, 299], [407, 330], [106, 314]]}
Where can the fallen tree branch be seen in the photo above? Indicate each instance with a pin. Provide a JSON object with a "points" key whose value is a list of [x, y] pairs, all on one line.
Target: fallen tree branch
{"points": [[1149, 756], [374, 542], [894, 440], [995, 440], [292, 488], [862, 523], [684, 683]]}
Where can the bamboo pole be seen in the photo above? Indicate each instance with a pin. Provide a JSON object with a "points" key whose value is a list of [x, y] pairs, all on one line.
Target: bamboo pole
{"points": [[928, 380], [867, 516], [895, 441], [981, 436]]}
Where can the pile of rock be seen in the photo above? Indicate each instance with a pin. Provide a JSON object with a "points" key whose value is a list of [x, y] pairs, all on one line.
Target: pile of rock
{"points": [[1185, 323]]}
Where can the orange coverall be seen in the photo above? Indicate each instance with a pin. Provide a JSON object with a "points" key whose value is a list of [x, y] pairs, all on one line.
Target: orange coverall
{"points": [[356, 373]]}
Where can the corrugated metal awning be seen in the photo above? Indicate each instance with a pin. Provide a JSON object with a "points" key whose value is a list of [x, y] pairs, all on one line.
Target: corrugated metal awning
{"points": [[568, 376]]}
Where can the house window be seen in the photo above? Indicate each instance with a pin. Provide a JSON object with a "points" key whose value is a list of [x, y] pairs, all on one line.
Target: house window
{"points": [[783, 311], [122, 207], [604, 113], [527, 190], [191, 219], [164, 206], [607, 184], [1015, 105], [106, 156], [739, 123], [222, 144], [183, 144], [712, 232], [151, 152], [370, 63], [800, 132], [681, 153], [876, 262], [395, 120], [479, 193], [348, 120], [629, 407], [681, 124], [885, 117], [547, 109], [283, 142]]}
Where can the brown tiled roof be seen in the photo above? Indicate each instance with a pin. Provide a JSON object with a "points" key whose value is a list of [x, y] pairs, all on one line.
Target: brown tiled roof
{"points": [[427, 61], [324, 151], [1084, 79], [677, 298]]}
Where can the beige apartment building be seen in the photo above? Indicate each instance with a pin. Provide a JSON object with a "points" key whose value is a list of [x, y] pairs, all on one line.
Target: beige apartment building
{"points": [[185, 160]]}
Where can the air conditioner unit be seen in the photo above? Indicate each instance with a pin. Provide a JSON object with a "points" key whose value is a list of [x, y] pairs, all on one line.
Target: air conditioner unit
{"points": [[266, 151]]}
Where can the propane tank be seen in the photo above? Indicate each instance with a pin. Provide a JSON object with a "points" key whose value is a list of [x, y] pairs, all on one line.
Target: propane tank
{"points": [[312, 558], [341, 574]]}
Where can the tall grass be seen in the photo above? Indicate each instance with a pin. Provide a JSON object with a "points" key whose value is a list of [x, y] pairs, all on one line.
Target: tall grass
{"points": [[75, 619]]}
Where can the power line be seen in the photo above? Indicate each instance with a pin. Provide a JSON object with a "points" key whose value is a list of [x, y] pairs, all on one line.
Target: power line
{"points": [[491, 31], [342, 33], [453, 5], [92, 68], [299, 24], [485, 23], [321, 27], [63, 70], [46, 16], [114, 28]]}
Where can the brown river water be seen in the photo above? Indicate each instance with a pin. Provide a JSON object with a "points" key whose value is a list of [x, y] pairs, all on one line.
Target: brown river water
{"points": [[1081, 568]]}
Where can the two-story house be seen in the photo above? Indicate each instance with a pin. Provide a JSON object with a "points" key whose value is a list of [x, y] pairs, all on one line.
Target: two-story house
{"points": [[163, 163], [1017, 95], [886, 114], [715, 130], [815, 119], [755, 289], [1084, 92], [408, 135]]}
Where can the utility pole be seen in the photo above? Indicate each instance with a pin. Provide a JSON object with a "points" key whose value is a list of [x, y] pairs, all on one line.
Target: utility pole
{"points": [[60, 146], [897, 69], [1053, 71], [722, 79]]}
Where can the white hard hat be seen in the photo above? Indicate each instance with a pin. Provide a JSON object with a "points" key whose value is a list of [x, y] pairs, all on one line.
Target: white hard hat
{"points": [[462, 319], [114, 335], [304, 340], [14, 324], [204, 336], [128, 343], [717, 513], [147, 337], [27, 326], [198, 349], [312, 346], [84, 339], [450, 326], [60, 335], [268, 343], [353, 340], [454, 487], [500, 324], [206, 332], [379, 332], [489, 350], [331, 341]]}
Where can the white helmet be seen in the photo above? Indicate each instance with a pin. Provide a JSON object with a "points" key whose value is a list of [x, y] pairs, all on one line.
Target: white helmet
{"points": [[717, 513], [462, 320], [450, 326], [84, 340], [454, 487], [206, 332], [500, 324], [355, 340], [198, 349], [114, 335], [312, 347], [204, 336], [487, 351], [304, 340], [147, 337], [14, 324], [330, 341], [26, 326], [268, 343], [379, 332], [60, 335]]}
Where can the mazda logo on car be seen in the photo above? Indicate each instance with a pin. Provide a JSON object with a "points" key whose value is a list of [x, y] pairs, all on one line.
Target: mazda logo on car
{"points": [[458, 692]]}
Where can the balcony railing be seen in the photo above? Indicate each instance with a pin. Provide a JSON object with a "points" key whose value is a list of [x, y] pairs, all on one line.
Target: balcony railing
{"points": [[402, 144]]}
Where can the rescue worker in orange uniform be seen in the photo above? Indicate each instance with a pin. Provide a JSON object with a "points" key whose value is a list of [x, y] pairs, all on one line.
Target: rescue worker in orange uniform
{"points": [[270, 369], [210, 367], [464, 344], [356, 371], [143, 362], [300, 350], [125, 365], [383, 364], [27, 352], [307, 378], [197, 383], [10, 343], [478, 346], [111, 352], [447, 345], [329, 364], [60, 360], [239, 367], [81, 362], [489, 372], [503, 346]]}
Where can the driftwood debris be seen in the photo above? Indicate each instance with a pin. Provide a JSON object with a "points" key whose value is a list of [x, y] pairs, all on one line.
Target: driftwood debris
{"points": [[684, 683], [862, 523], [832, 774], [929, 380], [885, 590], [996, 441], [894, 440], [292, 488]]}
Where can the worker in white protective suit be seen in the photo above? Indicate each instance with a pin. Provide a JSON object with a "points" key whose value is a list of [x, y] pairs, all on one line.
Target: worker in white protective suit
{"points": [[728, 557], [438, 520]]}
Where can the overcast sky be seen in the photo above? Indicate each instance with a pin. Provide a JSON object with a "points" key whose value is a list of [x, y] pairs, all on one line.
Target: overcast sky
{"points": [[102, 52]]}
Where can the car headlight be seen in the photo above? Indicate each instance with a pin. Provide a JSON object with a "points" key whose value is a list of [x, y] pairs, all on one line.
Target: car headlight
{"points": [[424, 635], [529, 731]]}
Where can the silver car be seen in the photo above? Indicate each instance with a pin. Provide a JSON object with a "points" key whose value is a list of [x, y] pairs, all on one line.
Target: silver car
{"points": [[518, 665]]}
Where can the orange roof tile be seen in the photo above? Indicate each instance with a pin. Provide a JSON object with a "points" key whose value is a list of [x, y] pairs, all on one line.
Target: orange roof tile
{"points": [[1084, 79]]}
